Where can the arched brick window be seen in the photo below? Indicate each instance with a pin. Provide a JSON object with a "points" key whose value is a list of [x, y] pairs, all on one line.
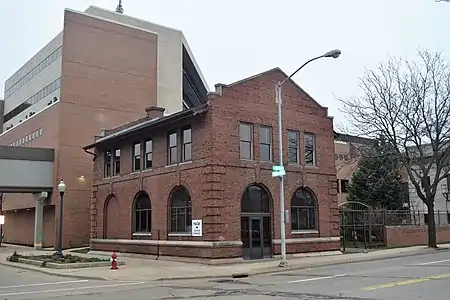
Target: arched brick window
{"points": [[142, 213], [180, 211], [303, 210]]}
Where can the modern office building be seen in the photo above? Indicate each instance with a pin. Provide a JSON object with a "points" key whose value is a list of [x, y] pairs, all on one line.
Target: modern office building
{"points": [[102, 70], [198, 183]]}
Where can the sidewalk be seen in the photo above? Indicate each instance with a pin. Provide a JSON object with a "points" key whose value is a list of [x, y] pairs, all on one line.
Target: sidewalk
{"points": [[141, 269]]}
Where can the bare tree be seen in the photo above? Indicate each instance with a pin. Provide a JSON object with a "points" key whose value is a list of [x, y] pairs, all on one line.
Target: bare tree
{"points": [[408, 103]]}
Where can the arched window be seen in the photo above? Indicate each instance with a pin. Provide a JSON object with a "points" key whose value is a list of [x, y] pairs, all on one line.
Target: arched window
{"points": [[303, 210], [142, 213], [255, 200], [180, 211]]}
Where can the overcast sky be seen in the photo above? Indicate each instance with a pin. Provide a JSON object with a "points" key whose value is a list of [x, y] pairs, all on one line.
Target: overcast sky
{"points": [[233, 39]]}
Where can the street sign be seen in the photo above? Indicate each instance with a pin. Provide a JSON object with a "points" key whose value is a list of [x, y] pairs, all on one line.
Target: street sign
{"points": [[278, 171], [2, 219], [197, 228]]}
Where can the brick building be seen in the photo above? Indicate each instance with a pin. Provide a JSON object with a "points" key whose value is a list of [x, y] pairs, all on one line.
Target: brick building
{"points": [[213, 163], [101, 71], [347, 152]]}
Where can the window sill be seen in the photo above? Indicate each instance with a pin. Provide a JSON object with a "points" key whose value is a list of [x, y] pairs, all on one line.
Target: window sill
{"points": [[247, 160], [137, 234], [308, 231], [179, 164], [180, 234], [111, 177], [311, 166]]}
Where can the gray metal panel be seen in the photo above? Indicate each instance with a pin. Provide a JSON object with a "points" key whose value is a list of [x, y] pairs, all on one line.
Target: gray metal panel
{"points": [[26, 175], [25, 153], [24, 190]]}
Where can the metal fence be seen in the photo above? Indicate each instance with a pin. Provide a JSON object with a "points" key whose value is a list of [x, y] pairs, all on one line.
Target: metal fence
{"points": [[364, 227]]}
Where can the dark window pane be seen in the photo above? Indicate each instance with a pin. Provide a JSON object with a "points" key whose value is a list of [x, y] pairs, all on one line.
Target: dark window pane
{"points": [[172, 139], [246, 150], [310, 149], [107, 162], [293, 147], [148, 160], [265, 135], [265, 152], [136, 156], [187, 138], [117, 162], [187, 152], [245, 132], [148, 146], [292, 155], [173, 155], [137, 149], [137, 163], [148, 154]]}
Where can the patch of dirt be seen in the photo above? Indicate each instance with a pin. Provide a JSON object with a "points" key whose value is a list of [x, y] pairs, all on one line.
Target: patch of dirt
{"points": [[54, 258]]}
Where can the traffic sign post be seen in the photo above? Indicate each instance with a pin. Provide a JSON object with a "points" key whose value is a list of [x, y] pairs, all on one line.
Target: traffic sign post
{"points": [[278, 171]]}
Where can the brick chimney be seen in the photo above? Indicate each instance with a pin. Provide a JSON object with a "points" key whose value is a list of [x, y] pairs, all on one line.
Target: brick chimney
{"points": [[155, 112]]}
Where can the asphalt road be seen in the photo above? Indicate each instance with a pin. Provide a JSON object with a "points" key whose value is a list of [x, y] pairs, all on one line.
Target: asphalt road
{"points": [[414, 277]]}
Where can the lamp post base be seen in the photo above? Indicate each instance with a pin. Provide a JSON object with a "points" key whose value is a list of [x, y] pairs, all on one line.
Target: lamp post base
{"points": [[283, 264]]}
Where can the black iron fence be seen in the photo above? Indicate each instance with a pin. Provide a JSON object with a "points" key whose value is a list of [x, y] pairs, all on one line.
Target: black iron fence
{"points": [[364, 227]]}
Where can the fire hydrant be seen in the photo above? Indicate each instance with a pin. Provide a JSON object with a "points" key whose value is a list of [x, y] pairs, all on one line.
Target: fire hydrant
{"points": [[114, 261]]}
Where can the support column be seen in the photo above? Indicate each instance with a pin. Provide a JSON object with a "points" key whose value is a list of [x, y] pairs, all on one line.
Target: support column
{"points": [[38, 216]]}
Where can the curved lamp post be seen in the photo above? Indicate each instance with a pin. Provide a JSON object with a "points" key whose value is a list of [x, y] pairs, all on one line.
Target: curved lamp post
{"points": [[62, 190], [330, 54]]}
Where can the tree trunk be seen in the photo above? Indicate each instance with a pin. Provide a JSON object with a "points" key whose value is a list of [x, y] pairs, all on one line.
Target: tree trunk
{"points": [[431, 226]]}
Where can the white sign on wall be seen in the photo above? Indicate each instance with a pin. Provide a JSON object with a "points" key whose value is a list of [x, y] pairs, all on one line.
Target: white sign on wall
{"points": [[197, 229], [2, 219]]}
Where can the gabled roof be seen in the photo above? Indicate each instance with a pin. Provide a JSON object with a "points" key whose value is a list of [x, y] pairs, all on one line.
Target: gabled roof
{"points": [[277, 69]]}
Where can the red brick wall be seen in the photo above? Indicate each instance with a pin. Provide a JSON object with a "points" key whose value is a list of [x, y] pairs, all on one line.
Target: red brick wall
{"points": [[196, 252], [19, 227], [217, 178], [108, 78], [414, 235]]}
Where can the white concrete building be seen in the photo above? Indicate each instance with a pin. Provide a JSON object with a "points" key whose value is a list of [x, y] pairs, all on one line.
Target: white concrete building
{"points": [[441, 205]]}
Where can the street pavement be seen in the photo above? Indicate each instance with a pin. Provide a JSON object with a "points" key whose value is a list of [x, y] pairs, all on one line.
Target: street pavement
{"points": [[415, 277]]}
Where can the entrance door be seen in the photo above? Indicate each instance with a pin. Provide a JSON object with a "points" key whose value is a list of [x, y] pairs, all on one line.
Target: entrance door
{"points": [[255, 236]]}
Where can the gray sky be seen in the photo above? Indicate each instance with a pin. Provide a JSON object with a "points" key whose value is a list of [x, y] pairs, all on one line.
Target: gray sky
{"points": [[233, 39]]}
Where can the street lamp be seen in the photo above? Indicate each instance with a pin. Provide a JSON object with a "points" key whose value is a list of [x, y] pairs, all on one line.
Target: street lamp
{"points": [[330, 54], [62, 190]]}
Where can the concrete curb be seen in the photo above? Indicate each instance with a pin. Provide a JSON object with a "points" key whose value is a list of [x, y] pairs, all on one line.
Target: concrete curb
{"points": [[262, 271]]}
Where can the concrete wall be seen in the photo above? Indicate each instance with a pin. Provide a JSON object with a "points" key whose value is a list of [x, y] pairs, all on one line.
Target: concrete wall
{"points": [[414, 235], [35, 84], [440, 203]]}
